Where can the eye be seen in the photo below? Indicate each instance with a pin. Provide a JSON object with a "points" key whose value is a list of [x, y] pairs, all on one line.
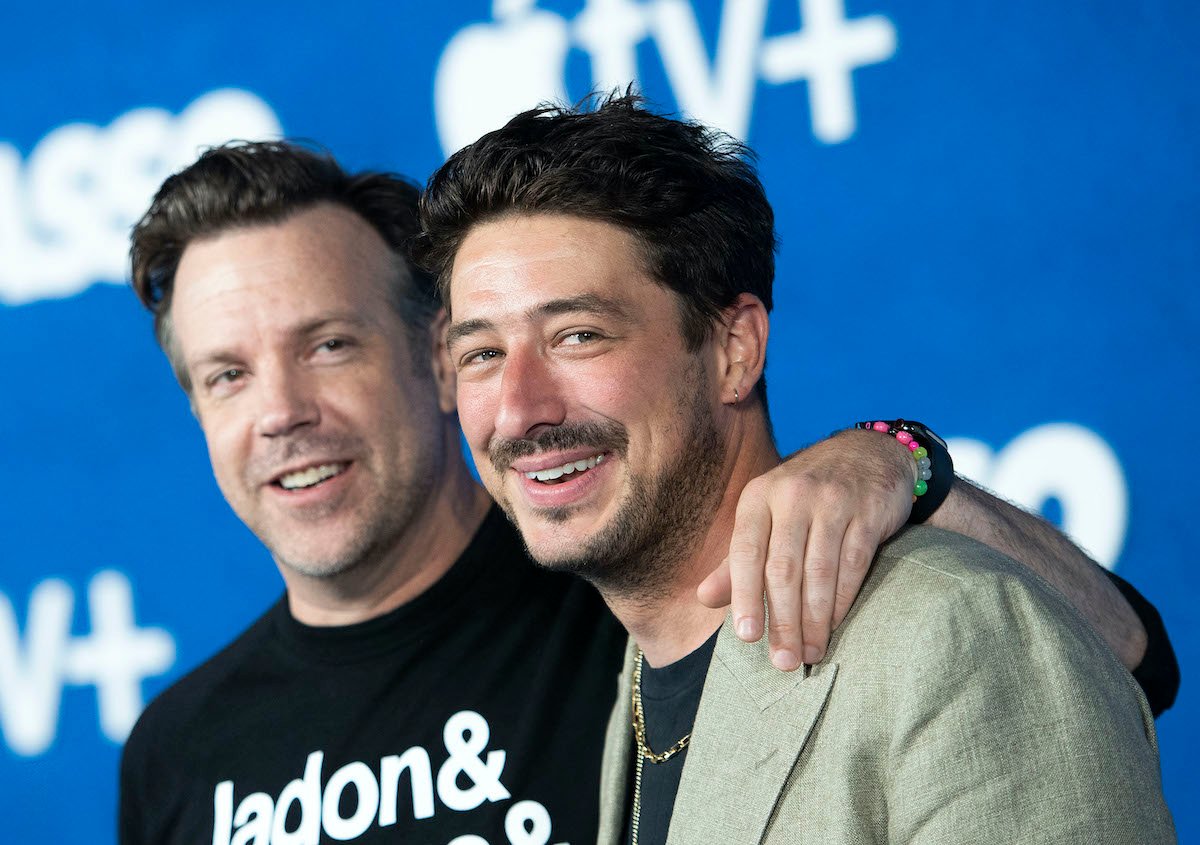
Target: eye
{"points": [[580, 337], [225, 382], [480, 357], [226, 376], [333, 350]]}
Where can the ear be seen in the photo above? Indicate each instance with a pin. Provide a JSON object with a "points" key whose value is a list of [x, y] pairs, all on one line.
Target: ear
{"points": [[445, 377], [742, 347]]}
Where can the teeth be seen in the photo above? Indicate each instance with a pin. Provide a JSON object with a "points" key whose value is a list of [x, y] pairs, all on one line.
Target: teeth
{"points": [[566, 469], [310, 476]]}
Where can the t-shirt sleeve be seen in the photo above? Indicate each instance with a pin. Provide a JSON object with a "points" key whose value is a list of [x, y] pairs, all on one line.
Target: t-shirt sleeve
{"points": [[146, 787], [131, 828], [1158, 673]]}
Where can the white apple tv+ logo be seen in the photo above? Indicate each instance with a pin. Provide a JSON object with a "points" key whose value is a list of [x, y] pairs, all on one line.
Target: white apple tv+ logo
{"points": [[491, 71]]}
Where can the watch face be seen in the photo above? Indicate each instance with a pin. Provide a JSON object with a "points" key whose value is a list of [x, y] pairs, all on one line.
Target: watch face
{"points": [[921, 430]]}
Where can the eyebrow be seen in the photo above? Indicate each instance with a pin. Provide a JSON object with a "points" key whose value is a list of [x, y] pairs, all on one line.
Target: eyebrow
{"points": [[587, 303], [224, 354], [318, 323]]}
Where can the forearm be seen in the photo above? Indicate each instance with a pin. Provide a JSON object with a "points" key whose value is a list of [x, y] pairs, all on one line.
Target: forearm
{"points": [[1030, 540]]}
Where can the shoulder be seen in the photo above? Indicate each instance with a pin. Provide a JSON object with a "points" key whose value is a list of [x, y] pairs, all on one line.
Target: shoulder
{"points": [[976, 688], [926, 577], [193, 697], [943, 615], [939, 608], [930, 556], [159, 755]]}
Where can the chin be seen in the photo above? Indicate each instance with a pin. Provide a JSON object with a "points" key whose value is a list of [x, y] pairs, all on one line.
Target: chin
{"points": [[552, 558], [318, 567], [315, 559], [558, 530]]}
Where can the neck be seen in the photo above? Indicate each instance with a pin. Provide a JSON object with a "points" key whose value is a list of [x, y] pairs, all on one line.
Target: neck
{"points": [[438, 533], [671, 623]]}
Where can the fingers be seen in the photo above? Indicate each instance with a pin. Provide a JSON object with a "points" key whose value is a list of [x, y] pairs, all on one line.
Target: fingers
{"points": [[805, 534], [747, 559], [717, 589], [784, 574], [822, 559], [858, 550]]}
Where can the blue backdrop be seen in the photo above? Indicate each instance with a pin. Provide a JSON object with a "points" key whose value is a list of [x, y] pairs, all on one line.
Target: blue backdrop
{"points": [[988, 218]]}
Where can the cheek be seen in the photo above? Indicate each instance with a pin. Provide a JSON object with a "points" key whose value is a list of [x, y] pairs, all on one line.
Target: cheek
{"points": [[621, 390], [227, 454], [652, 402], [376, 402], [477, 415]]}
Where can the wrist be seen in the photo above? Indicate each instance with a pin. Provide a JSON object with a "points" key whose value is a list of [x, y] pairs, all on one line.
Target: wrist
{"points": [[932, 466], [883, 459]]}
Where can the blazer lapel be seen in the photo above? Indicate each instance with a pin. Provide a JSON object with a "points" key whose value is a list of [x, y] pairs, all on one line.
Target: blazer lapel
{"points": [[752, 724], [618, 753]]}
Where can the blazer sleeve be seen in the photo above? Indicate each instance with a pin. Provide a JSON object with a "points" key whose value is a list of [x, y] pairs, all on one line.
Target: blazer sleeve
{"points": [[1020, 726]]}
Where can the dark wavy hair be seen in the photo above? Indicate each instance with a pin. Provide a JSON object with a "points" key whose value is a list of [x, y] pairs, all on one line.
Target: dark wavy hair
{"points": [[688, 194], [254, 183]]}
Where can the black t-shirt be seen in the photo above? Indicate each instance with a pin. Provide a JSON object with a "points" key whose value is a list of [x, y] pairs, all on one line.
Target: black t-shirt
{"points": [[477, 710], [670, 700]]}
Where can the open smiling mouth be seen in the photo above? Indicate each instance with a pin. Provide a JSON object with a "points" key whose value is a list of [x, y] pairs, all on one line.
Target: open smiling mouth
{"points": [[311, 477], [556, 475]]}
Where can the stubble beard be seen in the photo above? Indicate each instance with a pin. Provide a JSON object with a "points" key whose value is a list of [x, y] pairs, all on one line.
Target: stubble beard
{"points": [[378, 528], [374, 527], [662, 519]]}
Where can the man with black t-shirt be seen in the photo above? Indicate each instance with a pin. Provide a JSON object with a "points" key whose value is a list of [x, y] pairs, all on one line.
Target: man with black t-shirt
{"points": [[420, 680], [608, 276]]}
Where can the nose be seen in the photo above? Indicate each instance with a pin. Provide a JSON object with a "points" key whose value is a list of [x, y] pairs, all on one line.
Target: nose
{"points": [[287, 402], [530, 395]]}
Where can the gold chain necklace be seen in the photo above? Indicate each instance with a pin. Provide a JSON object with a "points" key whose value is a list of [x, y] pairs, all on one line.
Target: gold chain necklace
{"points": [[643, 748]]}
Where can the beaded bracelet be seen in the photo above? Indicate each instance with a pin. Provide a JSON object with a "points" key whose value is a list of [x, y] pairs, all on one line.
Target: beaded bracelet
{"points": [[918, 452], [932, 453]]}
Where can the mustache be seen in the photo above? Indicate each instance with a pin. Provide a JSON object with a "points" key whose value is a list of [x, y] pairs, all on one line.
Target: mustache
{"points": [[264, 466], [606, 436]]}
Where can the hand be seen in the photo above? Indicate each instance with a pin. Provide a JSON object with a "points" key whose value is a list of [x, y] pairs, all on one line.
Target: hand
{"points": [[809, 529]]}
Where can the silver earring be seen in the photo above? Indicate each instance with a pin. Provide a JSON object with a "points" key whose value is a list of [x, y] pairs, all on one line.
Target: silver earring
{"points": [[736, 397]]}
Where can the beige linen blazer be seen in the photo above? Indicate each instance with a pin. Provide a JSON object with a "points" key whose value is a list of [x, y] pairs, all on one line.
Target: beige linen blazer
{"points": [[963, 700]]}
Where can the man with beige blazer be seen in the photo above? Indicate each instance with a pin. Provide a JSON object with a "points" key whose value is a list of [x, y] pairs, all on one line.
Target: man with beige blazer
{"points": [[608, 276]]}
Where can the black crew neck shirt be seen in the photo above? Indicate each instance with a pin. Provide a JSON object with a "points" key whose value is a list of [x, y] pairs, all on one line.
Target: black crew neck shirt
{"points": [[477, 709], [670, 700]]}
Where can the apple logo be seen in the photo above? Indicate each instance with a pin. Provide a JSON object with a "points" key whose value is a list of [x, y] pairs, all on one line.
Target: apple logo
{"points": [[491, 71]]}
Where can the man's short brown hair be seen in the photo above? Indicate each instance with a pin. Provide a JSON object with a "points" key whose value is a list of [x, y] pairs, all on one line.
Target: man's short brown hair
{"points": [[246, 184]]}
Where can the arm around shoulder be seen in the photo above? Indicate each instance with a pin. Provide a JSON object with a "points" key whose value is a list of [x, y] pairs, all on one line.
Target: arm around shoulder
{"points": [[1126, 621]]}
